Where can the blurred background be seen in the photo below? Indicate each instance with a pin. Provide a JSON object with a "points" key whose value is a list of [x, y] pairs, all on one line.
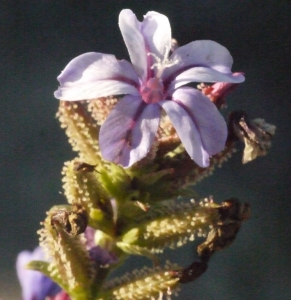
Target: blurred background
{"points": [[39, 37]]}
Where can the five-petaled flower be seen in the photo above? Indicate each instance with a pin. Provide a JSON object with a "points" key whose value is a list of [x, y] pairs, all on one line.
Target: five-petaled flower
{"points": [[152, 83]]}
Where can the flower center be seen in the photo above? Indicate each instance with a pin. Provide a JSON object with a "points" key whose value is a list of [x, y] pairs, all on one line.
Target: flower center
{"points": [[152, 92]]}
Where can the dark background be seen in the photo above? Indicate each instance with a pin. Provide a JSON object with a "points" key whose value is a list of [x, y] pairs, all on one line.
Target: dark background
{"points": [[39, 37]]}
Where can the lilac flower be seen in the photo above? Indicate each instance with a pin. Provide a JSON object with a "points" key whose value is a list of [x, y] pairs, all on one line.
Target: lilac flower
{"points": [[35, 285], [102, 257], [152, 83], [99, 256]]}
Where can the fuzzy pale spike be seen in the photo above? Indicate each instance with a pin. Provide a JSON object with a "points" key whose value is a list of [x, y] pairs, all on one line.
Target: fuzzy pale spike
{"points": [[152, 178], [187, 172], [217, 160], [69, 259], [116, 182], [167, 137], [101, 107], [172, 225], [166, 128], [81, 130], [167, 145], [145, 284], [82, 187]]}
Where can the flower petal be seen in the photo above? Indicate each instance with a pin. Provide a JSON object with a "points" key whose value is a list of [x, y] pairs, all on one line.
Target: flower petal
{"points": [[200, 61], [156, 30], [128, 132], [209, 121], [102, 257], [93, 75], [198, 123], [187, 131], [89, 236], [202, 74], [153, 35], [134, 41], [34, 284]]}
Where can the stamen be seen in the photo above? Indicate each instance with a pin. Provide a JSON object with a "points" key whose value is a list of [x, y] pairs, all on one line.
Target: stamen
{"points": [[165, 62]]}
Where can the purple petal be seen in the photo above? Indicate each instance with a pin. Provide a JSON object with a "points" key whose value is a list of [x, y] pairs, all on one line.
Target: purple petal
{"points": [[200, 61], [35, 285], [134, 40], [202, 74], [90, 236], [101, 256], [209, 121], [199, 124], [156, 30], [187, 131], [93, 75], [128, 132], [153, 35]]}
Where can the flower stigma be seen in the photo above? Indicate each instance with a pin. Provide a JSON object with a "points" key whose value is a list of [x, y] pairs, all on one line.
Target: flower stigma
{"points": [[153, 90]]}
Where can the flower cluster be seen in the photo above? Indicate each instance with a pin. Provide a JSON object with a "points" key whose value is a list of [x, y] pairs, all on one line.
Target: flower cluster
{"points": [[143, 140]]}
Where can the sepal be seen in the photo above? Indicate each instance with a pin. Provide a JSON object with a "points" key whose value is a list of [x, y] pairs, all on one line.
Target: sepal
{"points": [[84, 187], [171, 225], [146, 283], [69, 259], [81, 130], [116, 182]]}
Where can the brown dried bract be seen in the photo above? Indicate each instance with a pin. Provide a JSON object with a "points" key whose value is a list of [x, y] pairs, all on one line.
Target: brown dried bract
{"points": [[255, 134], [74, 222], [191, 273], [231, 214], [83, 167]]}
